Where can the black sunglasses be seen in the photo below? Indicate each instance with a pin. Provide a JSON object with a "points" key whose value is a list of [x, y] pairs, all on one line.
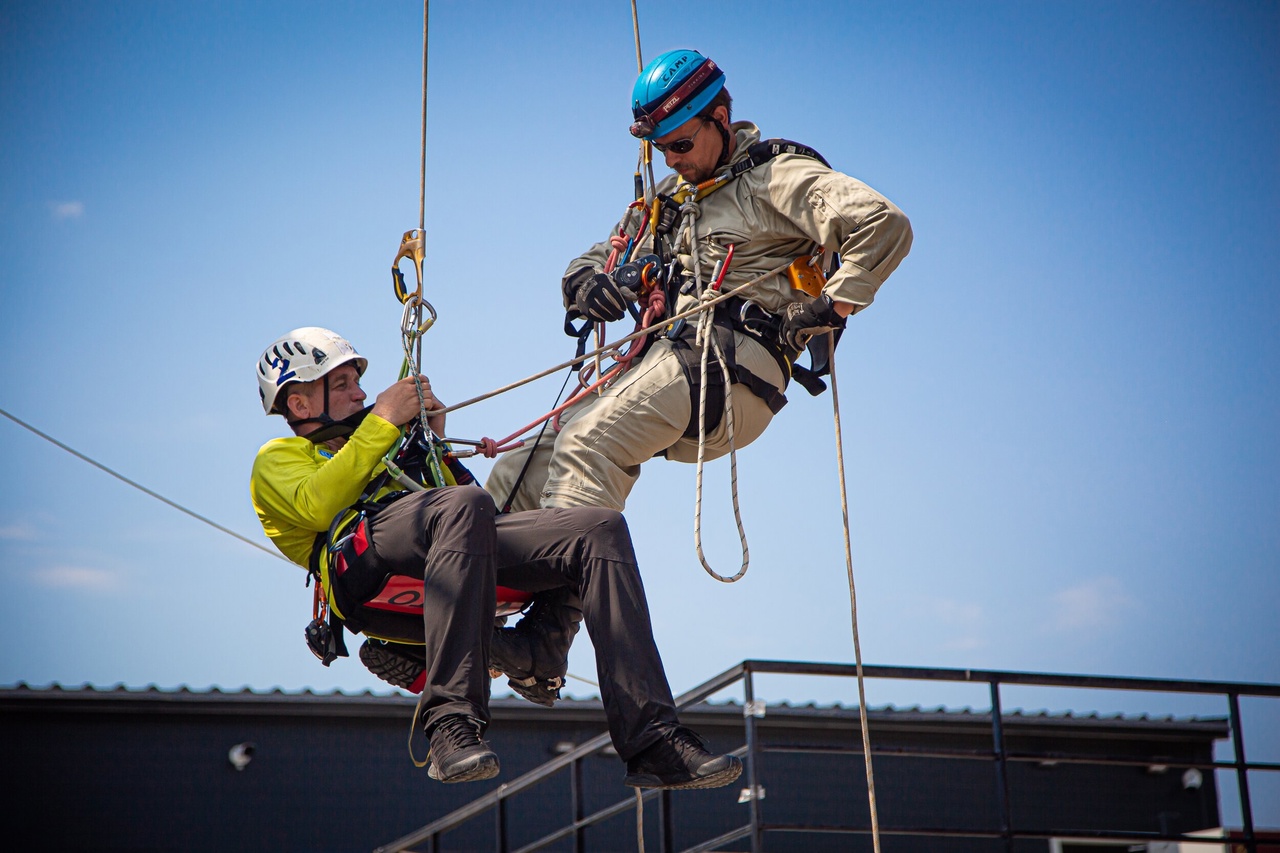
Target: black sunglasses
{"points": [[682, 146]]}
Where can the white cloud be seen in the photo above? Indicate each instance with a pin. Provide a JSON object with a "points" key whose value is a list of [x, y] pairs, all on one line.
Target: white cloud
{"points": [[67, 209], [20, 530], [961, 622], [74, 577], [1092, 605]]}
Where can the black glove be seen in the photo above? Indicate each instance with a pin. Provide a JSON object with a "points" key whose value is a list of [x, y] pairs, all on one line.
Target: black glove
{"points": [[802, 322], [599, 298]]}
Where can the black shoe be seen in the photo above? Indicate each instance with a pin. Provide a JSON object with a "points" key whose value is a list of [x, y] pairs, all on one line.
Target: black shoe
{"points": [[507, 649], [681, 760], [457, 752], [394, 663], [534, 655]]}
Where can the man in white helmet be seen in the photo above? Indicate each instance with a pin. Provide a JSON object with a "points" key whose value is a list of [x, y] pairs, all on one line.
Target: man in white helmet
{"points": [[452, 538], [776, 203]]}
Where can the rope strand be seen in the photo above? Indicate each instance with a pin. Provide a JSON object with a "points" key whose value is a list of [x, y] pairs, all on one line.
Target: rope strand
{"points": [[853, 603], [422, 180], [709, 342], [122, 478]]}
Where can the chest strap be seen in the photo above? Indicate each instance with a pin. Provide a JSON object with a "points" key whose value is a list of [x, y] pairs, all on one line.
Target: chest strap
{"points": [[757, 155]]}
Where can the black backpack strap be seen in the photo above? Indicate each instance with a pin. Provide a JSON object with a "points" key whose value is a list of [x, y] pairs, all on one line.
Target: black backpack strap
{"points": [[765, 150]]}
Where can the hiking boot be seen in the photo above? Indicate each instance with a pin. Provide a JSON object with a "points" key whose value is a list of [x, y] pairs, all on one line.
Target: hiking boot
{"points": [[395, 663], [681, 760], [534, 655], [457, 752]]}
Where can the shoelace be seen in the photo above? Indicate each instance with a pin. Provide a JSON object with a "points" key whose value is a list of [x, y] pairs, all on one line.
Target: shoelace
{"points": [[458, 733], [686, 741]]}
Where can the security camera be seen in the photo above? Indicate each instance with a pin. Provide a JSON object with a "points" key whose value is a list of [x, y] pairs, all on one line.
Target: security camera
{"points": [[1192, 779], [240, 755]]}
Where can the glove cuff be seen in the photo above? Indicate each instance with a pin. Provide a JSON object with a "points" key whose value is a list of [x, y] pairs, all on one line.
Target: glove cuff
{"points": [[572, 283]]}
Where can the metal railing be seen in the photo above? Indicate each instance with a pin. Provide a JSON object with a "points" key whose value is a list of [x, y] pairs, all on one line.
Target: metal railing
{"points": [[496, 800]]}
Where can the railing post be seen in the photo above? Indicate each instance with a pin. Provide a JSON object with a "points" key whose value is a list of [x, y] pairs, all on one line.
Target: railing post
{"points": [[666, 839], [500, 815], [1002, 770], [753, 783], [576, 807], [1242, 772]]}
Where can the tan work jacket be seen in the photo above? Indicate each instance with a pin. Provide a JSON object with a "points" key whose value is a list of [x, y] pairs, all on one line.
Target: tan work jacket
{"points": [[776, 212]]}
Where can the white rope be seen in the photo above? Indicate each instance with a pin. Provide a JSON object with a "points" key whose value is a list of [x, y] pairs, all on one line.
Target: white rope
{"points": [[412, 326], [708, 341], [853, 602]]}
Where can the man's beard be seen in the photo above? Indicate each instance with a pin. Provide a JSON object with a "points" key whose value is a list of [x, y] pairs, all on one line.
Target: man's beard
{"points": [[696, 176]]}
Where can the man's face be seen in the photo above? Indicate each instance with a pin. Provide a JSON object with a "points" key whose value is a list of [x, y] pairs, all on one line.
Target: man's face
{"points": [[698, 164], [346, 397]]}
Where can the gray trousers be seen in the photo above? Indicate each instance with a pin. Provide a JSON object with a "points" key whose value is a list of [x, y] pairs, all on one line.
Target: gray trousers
{"points": [[453, 539]]}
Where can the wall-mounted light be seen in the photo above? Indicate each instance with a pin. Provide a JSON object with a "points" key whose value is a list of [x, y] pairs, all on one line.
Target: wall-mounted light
{"points": [[240, 755]]}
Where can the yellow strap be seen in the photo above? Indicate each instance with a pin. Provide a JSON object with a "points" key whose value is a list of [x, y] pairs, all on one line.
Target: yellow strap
{"points": [[413, 727]]}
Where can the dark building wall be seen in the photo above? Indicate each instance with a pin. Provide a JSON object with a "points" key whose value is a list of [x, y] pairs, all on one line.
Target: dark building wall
{"points": [[815, 775], [121, 772]]}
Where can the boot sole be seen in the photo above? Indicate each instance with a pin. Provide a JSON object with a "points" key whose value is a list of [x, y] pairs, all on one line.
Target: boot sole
{"points": [[474, 769], [392, 668], [715, 780]]}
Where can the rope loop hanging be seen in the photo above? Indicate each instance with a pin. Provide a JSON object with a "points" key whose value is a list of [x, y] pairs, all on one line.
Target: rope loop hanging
{"points": [[708, 342]]}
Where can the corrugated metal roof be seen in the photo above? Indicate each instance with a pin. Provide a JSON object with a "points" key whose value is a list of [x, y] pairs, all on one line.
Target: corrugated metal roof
{"points": [[393, 699]]}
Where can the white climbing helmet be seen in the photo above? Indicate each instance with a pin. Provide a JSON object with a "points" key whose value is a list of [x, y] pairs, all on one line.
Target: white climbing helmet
{"points": [[303, 355]]}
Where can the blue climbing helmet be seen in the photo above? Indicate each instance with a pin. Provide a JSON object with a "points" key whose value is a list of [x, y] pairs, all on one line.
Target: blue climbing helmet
{"points": [[673, 88]]}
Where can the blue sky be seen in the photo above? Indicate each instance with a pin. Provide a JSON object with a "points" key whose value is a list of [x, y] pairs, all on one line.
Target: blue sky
{"points": [[1060, 415]]}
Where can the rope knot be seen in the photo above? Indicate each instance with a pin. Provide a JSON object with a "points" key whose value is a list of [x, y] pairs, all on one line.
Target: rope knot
{"points": [[488, 447], [657, 304]]}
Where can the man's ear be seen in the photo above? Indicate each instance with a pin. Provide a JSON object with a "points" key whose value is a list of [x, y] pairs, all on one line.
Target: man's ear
{"points": [[721, 115], [297, 405]]}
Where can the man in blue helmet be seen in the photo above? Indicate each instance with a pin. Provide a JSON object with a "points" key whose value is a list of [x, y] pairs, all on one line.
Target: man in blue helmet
{"points": [[811, 246]]}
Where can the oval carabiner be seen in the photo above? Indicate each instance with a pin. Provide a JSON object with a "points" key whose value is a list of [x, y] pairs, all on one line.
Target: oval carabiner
{"points": [[412, 326]]}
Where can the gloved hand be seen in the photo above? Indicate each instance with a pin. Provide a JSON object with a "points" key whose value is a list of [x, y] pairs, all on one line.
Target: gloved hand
{"points": [[598, 297], [800, 322]]}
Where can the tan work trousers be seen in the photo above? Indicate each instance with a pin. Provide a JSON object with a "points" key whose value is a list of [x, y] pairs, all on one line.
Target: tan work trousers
{"points": [[596, 457]]}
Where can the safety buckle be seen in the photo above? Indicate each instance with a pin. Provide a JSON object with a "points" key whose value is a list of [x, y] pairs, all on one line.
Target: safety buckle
{"points": [[411, 246]]}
